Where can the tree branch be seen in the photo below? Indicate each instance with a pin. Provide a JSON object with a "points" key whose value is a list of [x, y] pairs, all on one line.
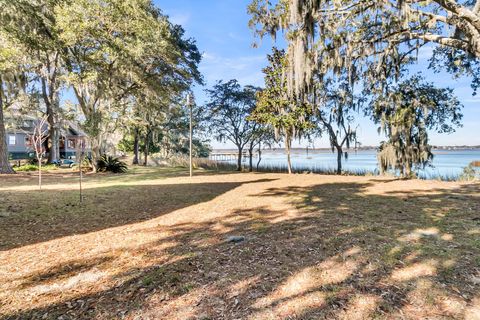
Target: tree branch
{"points": [[463, 12]]}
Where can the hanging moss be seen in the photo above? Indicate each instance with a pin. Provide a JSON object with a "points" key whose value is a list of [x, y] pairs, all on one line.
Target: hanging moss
{"points": [[406, 112], [383, 35]]}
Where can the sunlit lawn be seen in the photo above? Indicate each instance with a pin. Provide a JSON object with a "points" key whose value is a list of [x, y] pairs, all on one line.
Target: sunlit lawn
{"points": [[151, 245]]}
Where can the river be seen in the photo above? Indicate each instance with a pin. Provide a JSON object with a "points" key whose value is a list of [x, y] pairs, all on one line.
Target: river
{"points": [[446, 163]]}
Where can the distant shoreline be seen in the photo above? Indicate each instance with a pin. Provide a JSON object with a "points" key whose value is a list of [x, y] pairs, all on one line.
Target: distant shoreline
{"points": [[367, 148]]}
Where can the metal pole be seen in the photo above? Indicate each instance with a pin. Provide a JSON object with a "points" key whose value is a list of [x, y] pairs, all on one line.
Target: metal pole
{"points": [[191, 133]]}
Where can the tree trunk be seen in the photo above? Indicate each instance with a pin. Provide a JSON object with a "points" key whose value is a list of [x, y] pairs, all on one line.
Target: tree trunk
{"points": [[5, 167], [57, 139], [135, 147], [95, 157], [51, 100], [250, 154], [259, 156], [339, 160], [145, 150], [54, 141], [239, 160], [288, 144], [408, 170]]}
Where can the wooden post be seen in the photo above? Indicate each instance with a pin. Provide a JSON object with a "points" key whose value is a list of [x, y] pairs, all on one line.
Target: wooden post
{"points": [[82, 155], [189, 104]]}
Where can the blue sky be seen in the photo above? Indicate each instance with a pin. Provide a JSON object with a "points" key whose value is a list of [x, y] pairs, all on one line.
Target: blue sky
{"points": [[221, 30]]}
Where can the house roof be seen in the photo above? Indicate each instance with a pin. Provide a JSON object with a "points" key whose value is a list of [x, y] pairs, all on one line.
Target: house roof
{"points": [[25, 124], [72, 129]]}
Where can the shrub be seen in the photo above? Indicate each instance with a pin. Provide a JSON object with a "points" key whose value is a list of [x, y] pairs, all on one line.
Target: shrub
{"points": [[27, 167], [34, 167], [469, 173], [108, 163], [86, 165]]}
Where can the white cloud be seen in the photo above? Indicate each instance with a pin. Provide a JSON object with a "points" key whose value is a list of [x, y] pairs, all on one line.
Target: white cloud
{"points": [[246, 69]]}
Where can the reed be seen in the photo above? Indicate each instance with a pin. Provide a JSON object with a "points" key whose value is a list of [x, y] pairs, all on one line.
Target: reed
{"points": [[439, 176], [207, 164], [279, 168], [204, 163], [214, 165]]}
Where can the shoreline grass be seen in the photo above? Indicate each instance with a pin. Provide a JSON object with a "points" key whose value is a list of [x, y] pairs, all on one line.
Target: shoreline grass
{"points": [[470, 173]]}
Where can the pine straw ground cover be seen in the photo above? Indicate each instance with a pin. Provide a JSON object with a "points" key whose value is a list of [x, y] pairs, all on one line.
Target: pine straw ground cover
{"points": [[151, 245]]}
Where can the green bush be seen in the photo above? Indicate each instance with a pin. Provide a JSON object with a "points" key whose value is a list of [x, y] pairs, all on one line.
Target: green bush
{"points": [[34, 167], [86, 165], [27, 167], [108, 163]]}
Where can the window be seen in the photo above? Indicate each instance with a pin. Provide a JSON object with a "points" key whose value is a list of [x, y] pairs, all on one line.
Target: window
{"points": [[12, 140], [71, 143], [81, 144]]}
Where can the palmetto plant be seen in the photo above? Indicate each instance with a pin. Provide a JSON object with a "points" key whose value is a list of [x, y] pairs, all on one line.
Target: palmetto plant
{"points": [[108, 163]]}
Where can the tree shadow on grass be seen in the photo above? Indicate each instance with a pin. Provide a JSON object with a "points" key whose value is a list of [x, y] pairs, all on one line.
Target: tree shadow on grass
{"points": [[64, 271], [153, 173], [33, 217], [343, 253]]}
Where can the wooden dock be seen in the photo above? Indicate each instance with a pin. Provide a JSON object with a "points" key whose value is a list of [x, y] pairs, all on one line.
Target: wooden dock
{"points": [[226, 156]]}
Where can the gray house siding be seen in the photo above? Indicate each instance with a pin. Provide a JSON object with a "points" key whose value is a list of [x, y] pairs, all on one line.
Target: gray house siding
{"points": [[19, 149], [68, 149]]}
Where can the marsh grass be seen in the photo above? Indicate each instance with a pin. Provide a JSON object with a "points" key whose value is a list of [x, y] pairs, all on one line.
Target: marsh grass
{"points": [[470, 173], [208, 164], [439, 176], [204, 163], [317, 169]]}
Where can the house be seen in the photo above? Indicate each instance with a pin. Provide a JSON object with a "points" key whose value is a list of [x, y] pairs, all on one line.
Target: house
{"points": [[71, 139], [19, 138]]}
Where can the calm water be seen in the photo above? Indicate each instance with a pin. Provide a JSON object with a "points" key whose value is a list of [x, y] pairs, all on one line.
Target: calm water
{"points": [[445, 163]]}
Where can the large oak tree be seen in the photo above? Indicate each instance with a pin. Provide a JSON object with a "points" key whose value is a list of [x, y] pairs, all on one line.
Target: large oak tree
{"points": [[287, 115], [109, 52], [380, 36], [227, 111]]}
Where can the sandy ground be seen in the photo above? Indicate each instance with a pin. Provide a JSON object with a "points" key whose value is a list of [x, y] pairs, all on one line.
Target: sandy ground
{"points": [[149, 245]]}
